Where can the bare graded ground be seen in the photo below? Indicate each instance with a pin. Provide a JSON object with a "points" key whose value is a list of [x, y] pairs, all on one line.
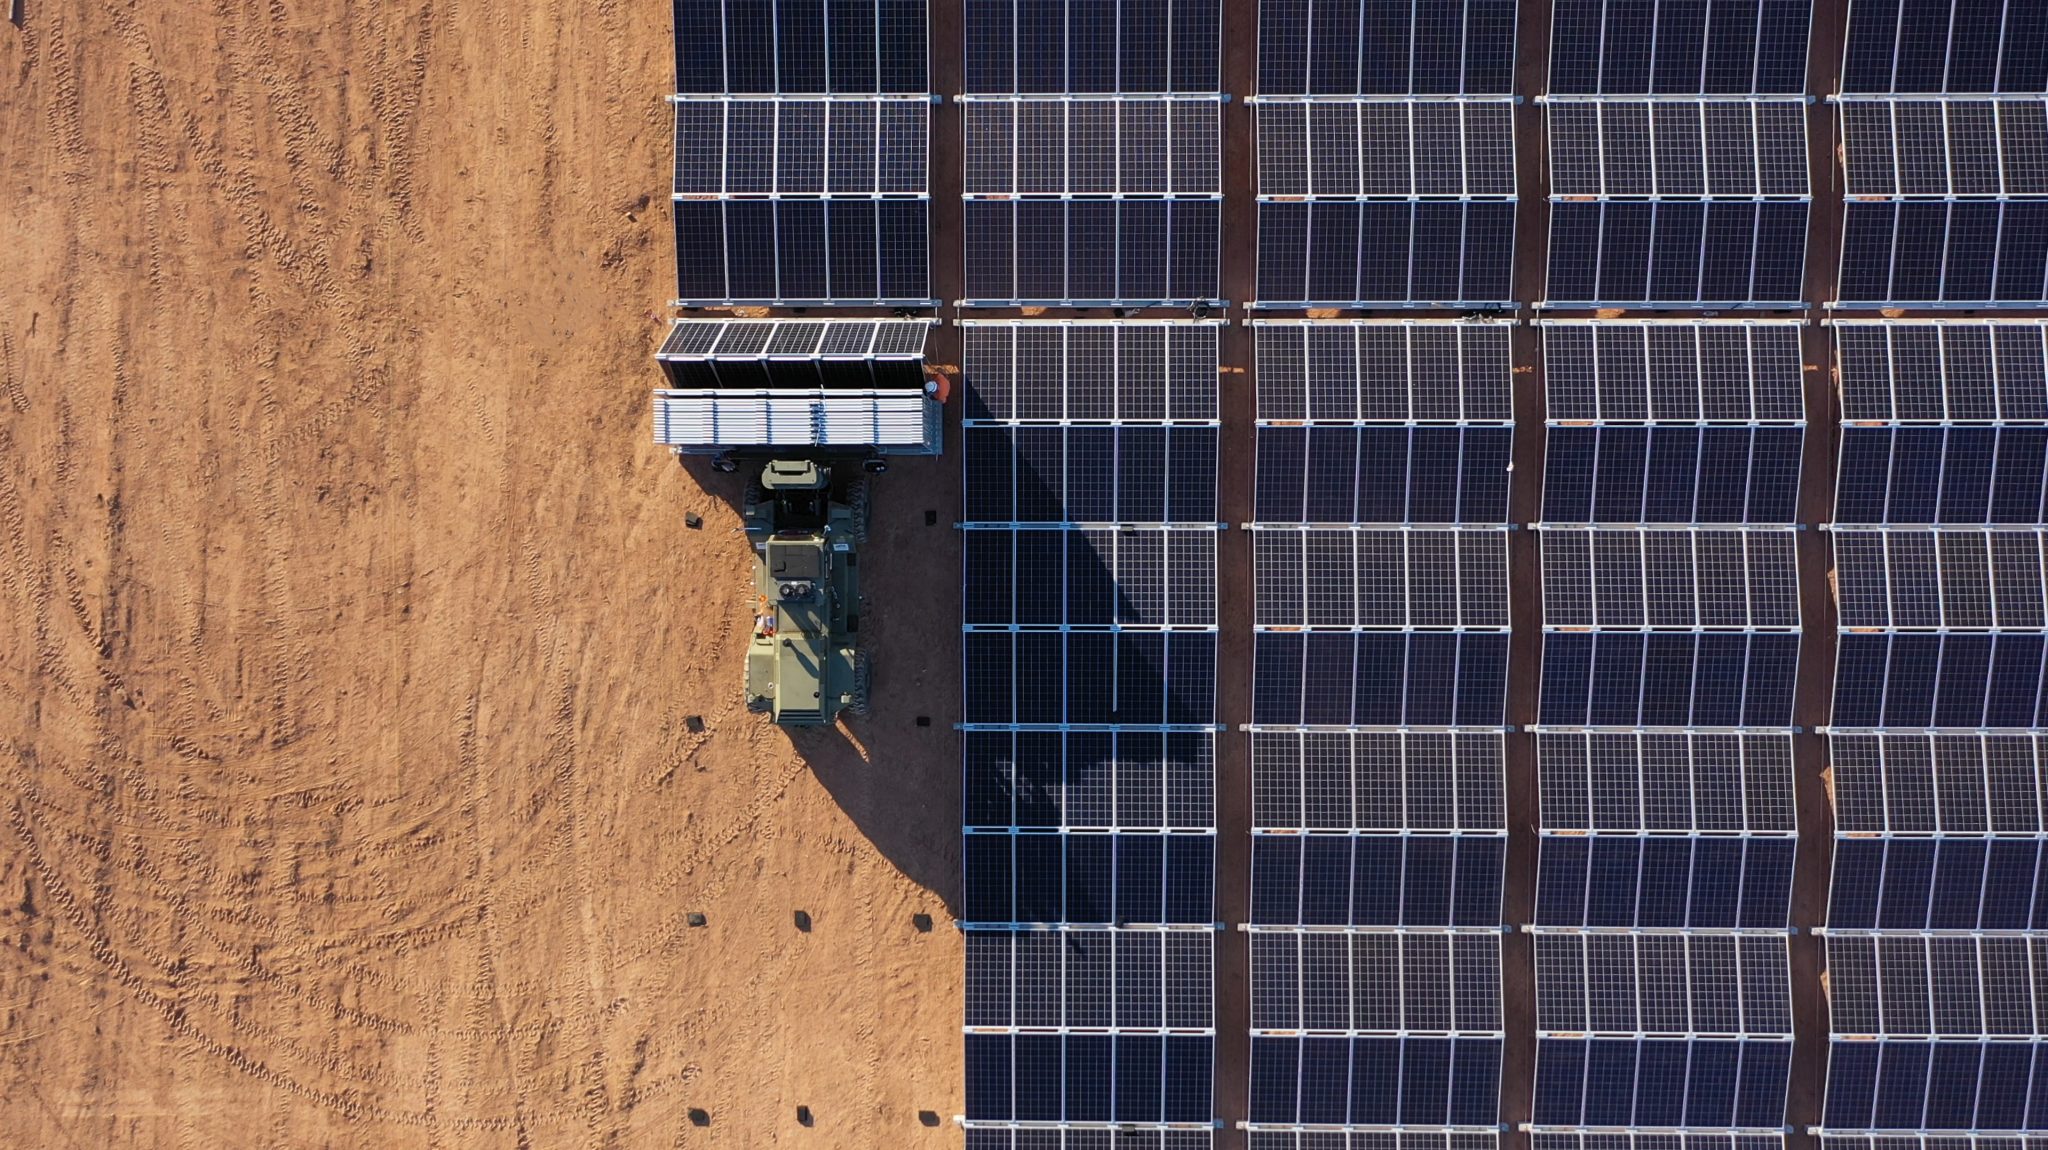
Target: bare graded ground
{"points": [[349, 630]]}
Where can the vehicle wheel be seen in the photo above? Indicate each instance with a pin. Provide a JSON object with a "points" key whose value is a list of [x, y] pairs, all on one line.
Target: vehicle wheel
{"points": [[857, 503], [858, 705]]}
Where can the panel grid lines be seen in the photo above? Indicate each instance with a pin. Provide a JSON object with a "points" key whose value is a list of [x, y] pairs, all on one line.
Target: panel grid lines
{"points": [[1089, 681], [1639, 149]]}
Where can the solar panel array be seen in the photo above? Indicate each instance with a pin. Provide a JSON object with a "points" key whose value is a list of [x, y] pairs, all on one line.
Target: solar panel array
{"points": [[1379, 552], [1093, 151], [1677, 140], [1386, 159], [1938, 907], [801, 129], [1944, 117], [1089, 778], [1664, 751]]}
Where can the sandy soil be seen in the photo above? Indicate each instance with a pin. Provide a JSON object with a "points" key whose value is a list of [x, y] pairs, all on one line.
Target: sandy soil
{"points": [[350, 633]]}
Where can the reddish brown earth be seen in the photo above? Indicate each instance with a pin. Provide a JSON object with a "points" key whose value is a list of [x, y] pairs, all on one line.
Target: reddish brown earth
{"points": [[350, 633]]}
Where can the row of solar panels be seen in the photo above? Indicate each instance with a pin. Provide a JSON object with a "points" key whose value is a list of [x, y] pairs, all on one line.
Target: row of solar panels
{"points": [[1089, 661], [1677, 147]]}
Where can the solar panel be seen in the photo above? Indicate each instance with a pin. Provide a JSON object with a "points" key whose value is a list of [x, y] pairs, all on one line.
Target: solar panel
{"points": [[1087, 1137], [1945, 46], [1665, 782], [1678, 148], [1374, 371], [801, 131], [1126, 981], [1666, 984], [1088, 1078], [1099, 780], [1620, 578], [1378, 781], [1075, 200], [1656, 1082], [1131, 47], [1939, 828], [1386, 47], [1380, 607], [1942, 371], [1698, 882], [800, 46], [1940, 253], [1388, 202], [1943, 114], [1953, 1086], [1051, 877], [1676, 253], [1406, 1138], [1344, 578], [798, 354], [1673, 47], [1090, 370], [1640, 1140], [1934, 986], [1926, 782], [1671, 639], [1088, 773]]}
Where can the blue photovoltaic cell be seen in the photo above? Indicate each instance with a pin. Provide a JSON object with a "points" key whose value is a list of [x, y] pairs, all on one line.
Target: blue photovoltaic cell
{"points": [[1096, 1078], [1671, 474], [1677, 47], [1124, 779], [1377, 880], [1667, 679], [1942, 475], [1614, 1082], [1936, 251], [1375, 1081], [1090, 877], [1383, 474], [1735, 252], [1665, 881], [1132, 251], [1958, 679], [1945, 46], [1102, 577], [1093, 46], [1091, 474], [1090, 677], [759, 47], [1342, 253], [1380, 678], [1960, 883], [772, 251], [1959, 1086], [1386, 47]]}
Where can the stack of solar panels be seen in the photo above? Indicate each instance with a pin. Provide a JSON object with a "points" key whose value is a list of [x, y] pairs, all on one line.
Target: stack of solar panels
{"points": [[1092, 152], [1386, 155], [1937, 935], [1677, 153], [1670, 652], [1380, 672], [750, 383], [1945, 149], [801, 129], [1090, 667]]}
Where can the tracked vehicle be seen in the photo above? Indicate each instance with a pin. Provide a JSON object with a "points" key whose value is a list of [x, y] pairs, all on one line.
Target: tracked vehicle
{"points": [[818, 406]]}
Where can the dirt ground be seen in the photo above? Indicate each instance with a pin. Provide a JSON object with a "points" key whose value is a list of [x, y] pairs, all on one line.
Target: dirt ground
{"points": [[350, 634]]}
